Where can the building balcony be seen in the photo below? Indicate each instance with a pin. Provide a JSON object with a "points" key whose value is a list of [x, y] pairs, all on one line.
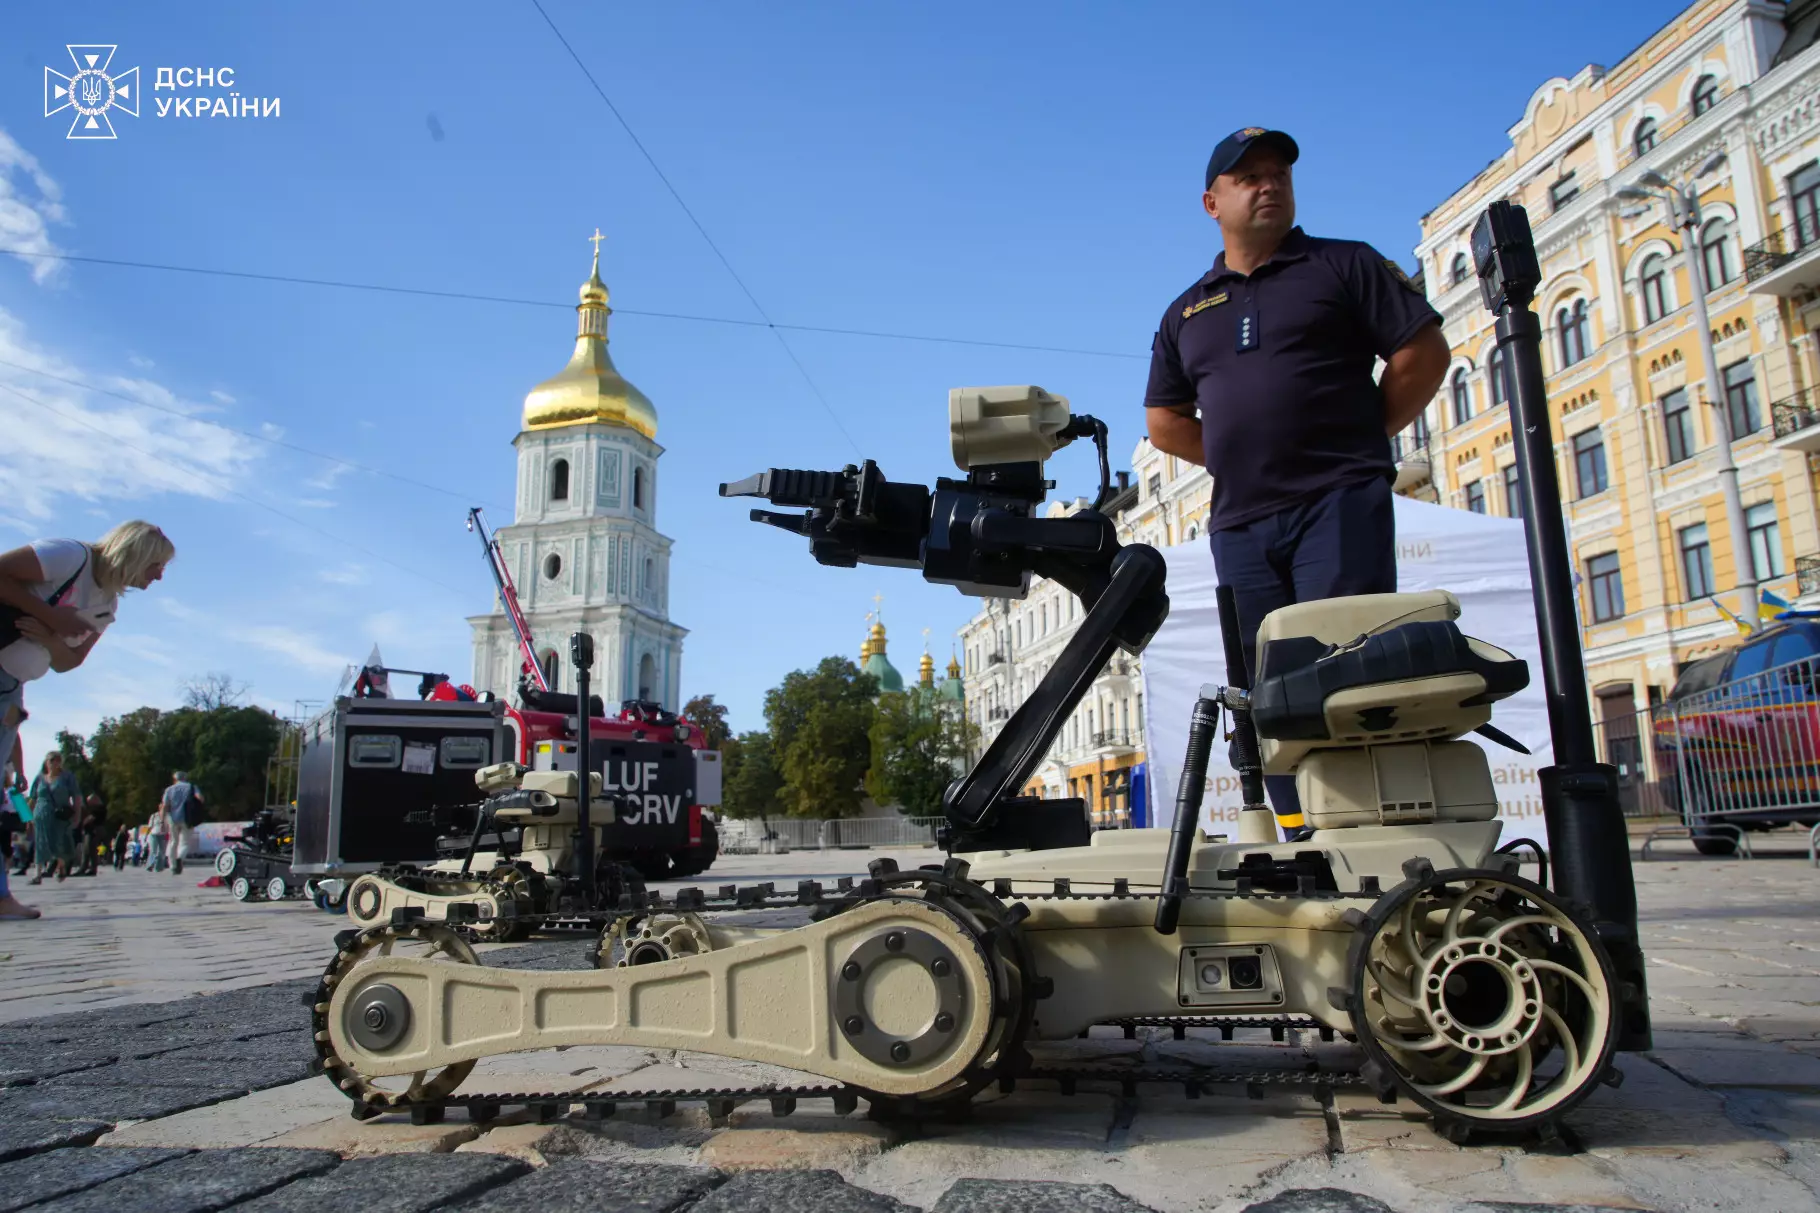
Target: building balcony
{"points": [[1787, 262], [1797, 422], [1807, 575], [995, 659], [1412, 467], [1119, 741]]}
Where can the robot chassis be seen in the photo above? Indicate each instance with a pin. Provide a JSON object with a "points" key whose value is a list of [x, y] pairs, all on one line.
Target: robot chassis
{"points": [[1487, 999]]}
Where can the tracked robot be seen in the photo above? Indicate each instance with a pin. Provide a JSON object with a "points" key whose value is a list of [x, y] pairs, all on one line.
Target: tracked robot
{"points": [[1488, 999]]}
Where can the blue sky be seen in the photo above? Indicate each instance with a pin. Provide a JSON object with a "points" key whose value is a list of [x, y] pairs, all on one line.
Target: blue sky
{"points": [[1014, 172]]}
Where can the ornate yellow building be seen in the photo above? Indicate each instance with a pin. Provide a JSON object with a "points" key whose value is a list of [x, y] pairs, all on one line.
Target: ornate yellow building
{"points": [[1624, 365]]}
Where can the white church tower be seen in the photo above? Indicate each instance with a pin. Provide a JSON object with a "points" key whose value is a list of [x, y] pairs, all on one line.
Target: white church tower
{"points": [[583, 546]]}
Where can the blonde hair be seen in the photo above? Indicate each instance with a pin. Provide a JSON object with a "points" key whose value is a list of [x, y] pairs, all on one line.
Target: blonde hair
{"points": [[126, 552]]}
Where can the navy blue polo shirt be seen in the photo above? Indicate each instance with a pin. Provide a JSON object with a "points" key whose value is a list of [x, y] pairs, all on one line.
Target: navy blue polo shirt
{"points": [[1279, 363]]}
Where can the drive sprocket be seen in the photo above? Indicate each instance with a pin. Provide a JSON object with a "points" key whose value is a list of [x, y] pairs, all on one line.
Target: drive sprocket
{"points": [[369, 1096]]}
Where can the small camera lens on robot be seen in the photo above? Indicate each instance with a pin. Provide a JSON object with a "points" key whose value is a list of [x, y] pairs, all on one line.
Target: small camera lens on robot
{"points": [[1247, 973]]}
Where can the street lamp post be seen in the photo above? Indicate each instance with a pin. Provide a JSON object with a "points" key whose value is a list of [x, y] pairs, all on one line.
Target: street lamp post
{"points": [[1684, 213]]}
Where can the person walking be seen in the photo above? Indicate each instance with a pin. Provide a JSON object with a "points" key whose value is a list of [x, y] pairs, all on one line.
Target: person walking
{"points": [[89, 837], [55, 802], [157, 832], [182, 806], [117, 850], [56, 598], [1262, 372]]}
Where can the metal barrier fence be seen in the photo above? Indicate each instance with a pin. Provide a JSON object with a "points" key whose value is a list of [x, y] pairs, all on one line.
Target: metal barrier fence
{"points": [[841, 833], [1745, 752]]}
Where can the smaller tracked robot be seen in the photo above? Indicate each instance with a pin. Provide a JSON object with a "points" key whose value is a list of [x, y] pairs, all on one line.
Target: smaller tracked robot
{"points": [[504, 894], [1493, 1002]]}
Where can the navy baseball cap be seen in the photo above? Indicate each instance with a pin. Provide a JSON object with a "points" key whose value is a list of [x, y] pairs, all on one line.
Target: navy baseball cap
{"points": [[1238, 143]]}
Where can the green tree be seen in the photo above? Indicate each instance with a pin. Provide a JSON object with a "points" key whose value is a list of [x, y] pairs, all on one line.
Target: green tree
{"points": [[750, 781], [224, 750], [710, 718], [917, 751], [820, 720], [74, 749]]}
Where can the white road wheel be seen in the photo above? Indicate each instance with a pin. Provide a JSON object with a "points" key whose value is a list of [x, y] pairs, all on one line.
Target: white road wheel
{"points": [[242, 888], [276, 889], [225, 863]]}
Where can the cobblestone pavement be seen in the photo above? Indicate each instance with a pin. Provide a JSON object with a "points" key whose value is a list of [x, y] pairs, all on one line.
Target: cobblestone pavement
{"points": [[121, 1090]]}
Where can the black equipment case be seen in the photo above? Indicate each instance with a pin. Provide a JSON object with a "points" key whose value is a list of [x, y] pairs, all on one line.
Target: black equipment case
{"points": [[373, 769]]}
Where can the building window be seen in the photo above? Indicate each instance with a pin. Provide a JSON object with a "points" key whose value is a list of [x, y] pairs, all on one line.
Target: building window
{"points": [[1741, 398], [1715, 254], [1654, 279], [1459, 271], [1606, 587], [549, 668], [1513, 492], [559, 480], [1677, 425], [1706, 94], [1499, 369], [552, 566], [1156, 486], [638, 488], [1645, 138], [1562, 192], [1574, 325], [1462, 397], [1804, 200], [1696, 562], [1765, 541], [1418, 432], [1589, 463], [1475, 496]]}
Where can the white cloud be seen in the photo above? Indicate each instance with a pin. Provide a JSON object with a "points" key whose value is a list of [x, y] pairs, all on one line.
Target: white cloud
{"points": [[29, 203], [351, 574], [224, 398], [314, 503], [138, 363], [103, 450], [287, 642]]}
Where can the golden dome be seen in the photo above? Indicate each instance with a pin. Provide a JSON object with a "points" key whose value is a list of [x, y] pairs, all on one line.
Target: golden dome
{"points": [[926, 671], [590, 389]]}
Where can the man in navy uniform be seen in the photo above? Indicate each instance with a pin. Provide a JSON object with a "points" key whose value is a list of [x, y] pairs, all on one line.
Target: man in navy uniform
{"points": [[1263, 372]]}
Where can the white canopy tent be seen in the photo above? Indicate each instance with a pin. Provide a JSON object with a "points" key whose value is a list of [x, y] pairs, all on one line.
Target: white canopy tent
{"points": [[1481, 559]]}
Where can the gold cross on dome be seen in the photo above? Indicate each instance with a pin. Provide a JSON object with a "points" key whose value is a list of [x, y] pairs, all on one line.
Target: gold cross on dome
{"points": [[595, 240], [877, 606]]}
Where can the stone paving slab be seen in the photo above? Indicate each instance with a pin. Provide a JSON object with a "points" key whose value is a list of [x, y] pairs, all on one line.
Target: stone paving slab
{"points": [[247, 1121], [399, 1183], [1034, 1196], [61, 1172], [54, 1100], [22, 1136], [595, 1187], [1319, 1200], [798, 1192], [197, 1183]]}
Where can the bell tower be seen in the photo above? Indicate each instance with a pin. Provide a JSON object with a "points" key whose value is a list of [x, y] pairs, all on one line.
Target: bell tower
{"points": [[583, 547]]}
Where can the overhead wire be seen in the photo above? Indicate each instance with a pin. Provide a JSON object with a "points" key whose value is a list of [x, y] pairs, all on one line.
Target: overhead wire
{"points": [[471, 297]]}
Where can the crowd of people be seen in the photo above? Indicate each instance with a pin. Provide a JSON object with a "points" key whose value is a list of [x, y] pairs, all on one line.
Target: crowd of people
{"points": [[57, 597]]}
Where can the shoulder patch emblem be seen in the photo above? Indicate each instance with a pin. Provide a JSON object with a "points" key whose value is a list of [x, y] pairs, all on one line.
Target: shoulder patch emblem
{"points": [[1203, 305], [1396, 271], [1252, 132]]}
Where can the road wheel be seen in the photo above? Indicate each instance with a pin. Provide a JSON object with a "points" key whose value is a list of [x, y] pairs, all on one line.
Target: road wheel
{"points": [[243, 889], [276, 889], [225, 863]]}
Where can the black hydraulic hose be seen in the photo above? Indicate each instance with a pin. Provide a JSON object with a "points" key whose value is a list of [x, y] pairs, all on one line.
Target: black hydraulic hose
{"points": [[1245, 754], [1202, 730], [583, 646]]}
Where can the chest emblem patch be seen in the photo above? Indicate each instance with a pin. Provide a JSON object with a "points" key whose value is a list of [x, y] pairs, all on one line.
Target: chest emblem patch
{"points": [[1203, 305], [1396, 271]]}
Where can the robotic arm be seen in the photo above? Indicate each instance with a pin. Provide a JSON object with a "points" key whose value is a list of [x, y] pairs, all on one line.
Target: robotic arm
{"points": [[982, 536]]}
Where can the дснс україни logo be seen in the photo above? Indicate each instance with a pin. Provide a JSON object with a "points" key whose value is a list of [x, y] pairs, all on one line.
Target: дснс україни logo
{"points": [[92, 92]]}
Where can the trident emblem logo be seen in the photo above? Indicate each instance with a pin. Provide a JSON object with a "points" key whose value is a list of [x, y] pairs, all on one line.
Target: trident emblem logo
{"points": [[91, 92]]}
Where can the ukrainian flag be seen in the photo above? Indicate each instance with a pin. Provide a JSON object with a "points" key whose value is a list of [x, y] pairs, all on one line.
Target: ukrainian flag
{"points": [[1771, 606]]}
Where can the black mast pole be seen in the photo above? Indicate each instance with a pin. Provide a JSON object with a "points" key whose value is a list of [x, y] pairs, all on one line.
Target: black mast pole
{"points": [[1590, 848], [581, 651]]}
